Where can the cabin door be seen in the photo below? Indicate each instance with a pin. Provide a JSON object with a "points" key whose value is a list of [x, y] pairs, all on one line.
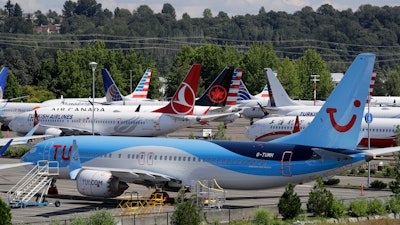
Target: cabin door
{"points": [[286, 167]]}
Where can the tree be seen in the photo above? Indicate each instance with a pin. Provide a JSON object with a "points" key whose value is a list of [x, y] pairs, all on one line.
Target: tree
{"points": [[17, 10], [5, 213], [69, 8], [169, 10], [186, 212], [207, 14], [9, 7], [320, 199], [289, 205]]}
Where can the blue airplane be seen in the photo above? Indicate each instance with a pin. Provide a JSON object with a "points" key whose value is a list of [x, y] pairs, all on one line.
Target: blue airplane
{"points": [[104, 165]]}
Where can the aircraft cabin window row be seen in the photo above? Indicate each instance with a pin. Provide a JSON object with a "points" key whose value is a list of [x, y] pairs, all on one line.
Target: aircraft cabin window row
{"points": [[150, 157], [89, 121]]}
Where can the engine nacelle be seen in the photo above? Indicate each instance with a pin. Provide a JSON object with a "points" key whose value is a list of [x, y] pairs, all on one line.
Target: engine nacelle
{"points": [[53, 131], [99, 184]]}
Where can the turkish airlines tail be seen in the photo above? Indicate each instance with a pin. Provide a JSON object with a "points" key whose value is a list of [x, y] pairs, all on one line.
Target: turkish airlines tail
{"points": [[182, 103]]}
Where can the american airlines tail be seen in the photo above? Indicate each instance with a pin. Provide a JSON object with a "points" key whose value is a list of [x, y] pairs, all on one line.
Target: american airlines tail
{"points": [[182, 103], [3, 80], [142, 88], [234, 87], [110, 88], [325, 131], [217, 93]]}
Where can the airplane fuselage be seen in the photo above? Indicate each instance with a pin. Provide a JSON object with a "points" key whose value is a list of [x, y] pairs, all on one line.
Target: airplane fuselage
{"points": [[235, 165], [108, 120]]}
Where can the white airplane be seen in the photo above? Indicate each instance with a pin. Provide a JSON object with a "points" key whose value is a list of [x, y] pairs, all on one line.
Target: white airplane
{"points": [[104, 165], [282, 105], [8, 110], [382, 131], [118, 120], [219, 97]]}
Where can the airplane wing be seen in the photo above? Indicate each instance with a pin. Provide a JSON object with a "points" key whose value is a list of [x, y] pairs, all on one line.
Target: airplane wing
{"points": [[381, 151], [8, 166], [72, 130], [135, 175]]}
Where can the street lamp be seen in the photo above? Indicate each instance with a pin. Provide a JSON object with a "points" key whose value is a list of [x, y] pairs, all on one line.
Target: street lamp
{"points": [[93, 66]]}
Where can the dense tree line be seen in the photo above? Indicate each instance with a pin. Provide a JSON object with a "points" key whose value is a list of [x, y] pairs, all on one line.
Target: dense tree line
{"points": [[297, 45]]}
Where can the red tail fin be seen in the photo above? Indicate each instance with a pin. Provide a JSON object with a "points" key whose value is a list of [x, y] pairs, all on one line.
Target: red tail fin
{"points": [[182, 102], [35, 119], [296, 127]]}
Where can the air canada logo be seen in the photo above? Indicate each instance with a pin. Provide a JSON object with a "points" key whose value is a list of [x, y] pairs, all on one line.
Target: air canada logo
{"points": [[183, 102], [217, 94], [346, 127]]}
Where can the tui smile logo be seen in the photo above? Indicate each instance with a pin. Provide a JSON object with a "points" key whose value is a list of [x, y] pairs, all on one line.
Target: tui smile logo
{"points": [[346, 127], [217, 94]]}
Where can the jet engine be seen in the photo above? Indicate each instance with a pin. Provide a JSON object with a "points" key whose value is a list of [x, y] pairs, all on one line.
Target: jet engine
{"points": [[99, 184], [53, 131]]}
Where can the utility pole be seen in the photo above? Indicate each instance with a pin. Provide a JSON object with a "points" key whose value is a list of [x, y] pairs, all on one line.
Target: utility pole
{"points": [[314, 78], [93, 66], [130, 83]]}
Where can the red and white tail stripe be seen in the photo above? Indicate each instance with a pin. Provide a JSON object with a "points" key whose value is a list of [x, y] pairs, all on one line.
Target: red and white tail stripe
{"points": [[372, 83], [234, 87], [142, 88]]}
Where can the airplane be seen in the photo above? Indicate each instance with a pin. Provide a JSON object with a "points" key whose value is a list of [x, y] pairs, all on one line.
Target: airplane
{"points": [[3, 80], [116, 119], [382, 131], [219, 97], [104, 165], [9, 110], [282, 105]]}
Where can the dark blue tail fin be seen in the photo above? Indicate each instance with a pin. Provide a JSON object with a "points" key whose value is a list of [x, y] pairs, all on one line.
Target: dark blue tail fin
{"points": [[217, 93], [110, 88], [3, 80]]}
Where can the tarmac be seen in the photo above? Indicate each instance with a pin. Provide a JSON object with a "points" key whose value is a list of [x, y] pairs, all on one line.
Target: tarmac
{"points": [[75, 205]]}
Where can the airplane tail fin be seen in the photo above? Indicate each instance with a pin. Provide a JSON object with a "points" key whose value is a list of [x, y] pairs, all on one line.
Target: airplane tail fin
{"points": [[142, 88], [216, 94], [110, 88], [3, 80], [277, 94], [244, 94], [182, 102], [338, 123], [234, 87], [5, 147]]}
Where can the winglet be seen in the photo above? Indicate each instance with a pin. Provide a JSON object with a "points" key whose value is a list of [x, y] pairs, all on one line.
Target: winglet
{"points": [[3, 80], [182, 102], [217, 93], [35, 119], [75, 165], [142, 88], [110, 88], [5, 147], [338, 122]]}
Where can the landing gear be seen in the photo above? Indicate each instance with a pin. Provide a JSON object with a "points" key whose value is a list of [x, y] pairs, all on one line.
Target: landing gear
{"points": [[53, 188]]}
